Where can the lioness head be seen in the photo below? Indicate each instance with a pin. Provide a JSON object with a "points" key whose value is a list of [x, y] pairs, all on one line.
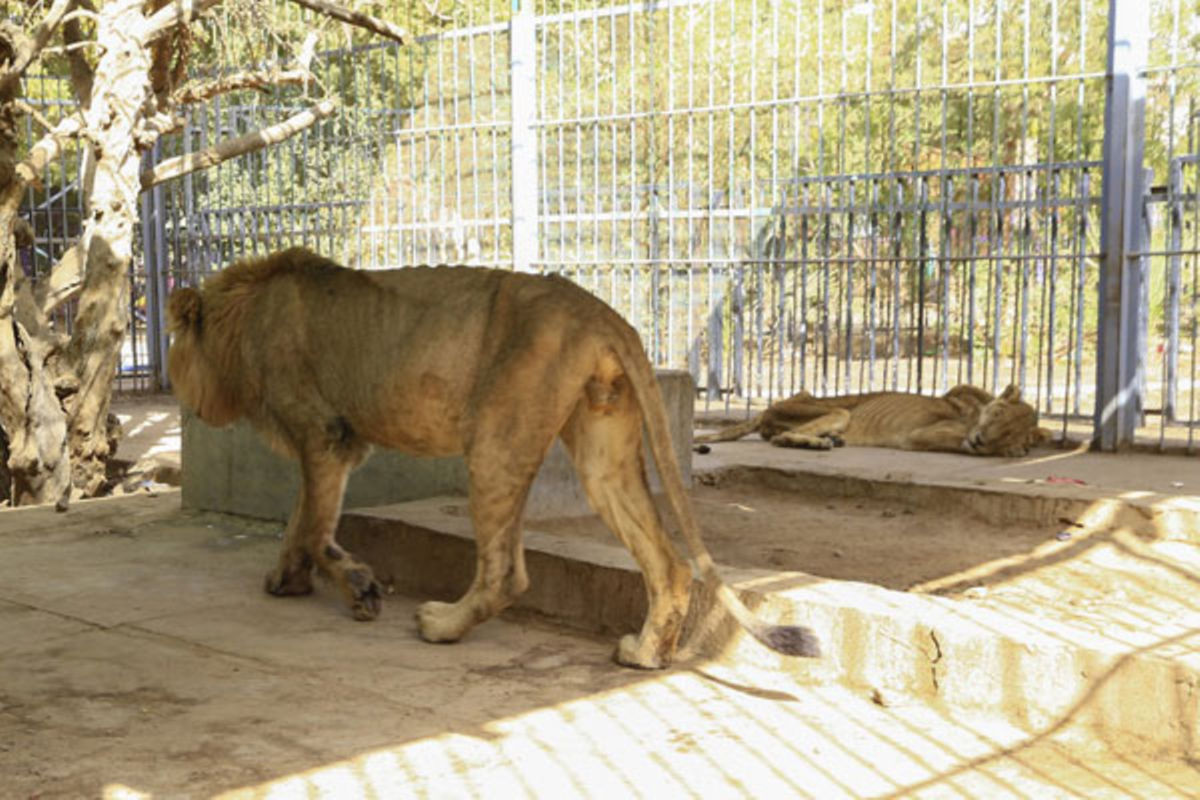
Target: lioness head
{"points": [[1007, 426], [194, 378]]}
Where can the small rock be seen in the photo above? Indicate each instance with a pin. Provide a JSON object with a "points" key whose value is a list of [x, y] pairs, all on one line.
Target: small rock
{"points": [[1062, 536], [881, 698], [837, 553], [703, 449], [888, 514], [1176, 484], [975, 592]]}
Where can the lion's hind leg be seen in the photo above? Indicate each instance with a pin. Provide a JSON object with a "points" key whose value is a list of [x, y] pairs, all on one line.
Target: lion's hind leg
{"points": [[605, 446], [822, 433], [501, 472], [309, 540]]}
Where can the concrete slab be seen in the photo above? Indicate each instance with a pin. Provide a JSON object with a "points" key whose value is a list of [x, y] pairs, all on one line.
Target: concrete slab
{"points": [[1155, 495], [213, 689], [231, 469]]}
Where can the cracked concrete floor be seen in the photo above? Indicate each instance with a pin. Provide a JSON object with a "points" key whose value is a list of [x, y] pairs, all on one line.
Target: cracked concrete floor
{"points": [[141, 658]]}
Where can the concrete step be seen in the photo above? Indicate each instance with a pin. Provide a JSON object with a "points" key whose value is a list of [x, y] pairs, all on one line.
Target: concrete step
{"points": [[1155, 496], [1138, 693]]}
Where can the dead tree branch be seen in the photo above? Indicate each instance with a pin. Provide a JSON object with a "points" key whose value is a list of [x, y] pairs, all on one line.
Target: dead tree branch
{"points": [[232, 148], [42, 153], [207, 90], [373, 24], [34, 114], [172, 15], [64, 282], [81, 69], [27, 48]]}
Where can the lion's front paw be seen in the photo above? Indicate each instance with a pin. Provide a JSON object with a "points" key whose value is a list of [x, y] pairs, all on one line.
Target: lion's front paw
{"points": [[366, 595], [631, 652], [439, 622]]}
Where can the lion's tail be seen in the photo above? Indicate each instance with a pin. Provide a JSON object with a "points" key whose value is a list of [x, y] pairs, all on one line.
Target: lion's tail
{"points": [[732, 432], [793, 640]]}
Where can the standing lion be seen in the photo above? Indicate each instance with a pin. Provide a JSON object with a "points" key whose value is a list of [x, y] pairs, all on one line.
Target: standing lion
{"points": [[493, 365]]}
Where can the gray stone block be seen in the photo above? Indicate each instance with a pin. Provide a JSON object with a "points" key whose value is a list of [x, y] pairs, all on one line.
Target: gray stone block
{"points": [[232, 470]]}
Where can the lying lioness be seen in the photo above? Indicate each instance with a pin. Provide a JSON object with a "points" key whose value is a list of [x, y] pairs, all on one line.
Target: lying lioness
{"points": [[964, 420], [494, 365]]}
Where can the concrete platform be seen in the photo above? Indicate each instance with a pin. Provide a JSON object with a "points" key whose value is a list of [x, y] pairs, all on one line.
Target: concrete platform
{"points": [[1155, 495], [232, 470], [141, 659]]}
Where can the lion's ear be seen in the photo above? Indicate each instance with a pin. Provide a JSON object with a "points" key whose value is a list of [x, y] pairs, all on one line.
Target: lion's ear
{"points": [[1011, 394], [183, 310]]}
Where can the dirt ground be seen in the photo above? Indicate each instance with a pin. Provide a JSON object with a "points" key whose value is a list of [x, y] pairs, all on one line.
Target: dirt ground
{"points": [[1102, 581], [886, 543]]}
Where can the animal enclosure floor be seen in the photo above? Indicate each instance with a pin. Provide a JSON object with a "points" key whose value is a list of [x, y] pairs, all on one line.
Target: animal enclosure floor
{"points": [[1098, 582], [142, 658]]}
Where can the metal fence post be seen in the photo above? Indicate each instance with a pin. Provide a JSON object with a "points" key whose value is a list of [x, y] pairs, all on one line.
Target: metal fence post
{"points": [[1119, 362], [154, 254], [522, 55], [1175, 221]]}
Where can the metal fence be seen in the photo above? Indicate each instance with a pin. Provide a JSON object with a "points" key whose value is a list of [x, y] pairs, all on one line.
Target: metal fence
{"points": [[779, 194]]}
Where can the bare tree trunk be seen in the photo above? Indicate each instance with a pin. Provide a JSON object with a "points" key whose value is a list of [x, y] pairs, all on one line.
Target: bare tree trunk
{"points": [[121, 97], [32, 422]]}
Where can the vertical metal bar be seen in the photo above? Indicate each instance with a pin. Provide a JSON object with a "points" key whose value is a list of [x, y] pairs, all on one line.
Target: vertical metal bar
{"points": [[897, 234], [1021, 323], [1082, 259], [972, 236], [734, 381], [667, 199], [559, 184], [922, 237], [494, 135], [631, 253], [826, 236], [1195, 304], [151, 232], [997, 278], [693, 342], [1118, 354], [1052, 293], [578, 203], [847, 272], [596, 207], [804, 215], [1175, 223], [778, 202], [872, 285], [754, 372], [947, 186], [524, 177], [1167, 403]]}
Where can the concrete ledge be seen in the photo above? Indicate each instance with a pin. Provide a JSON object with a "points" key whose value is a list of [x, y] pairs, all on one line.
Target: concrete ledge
{"points": [[960, 484], [1035, 673], [232, 470]]}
